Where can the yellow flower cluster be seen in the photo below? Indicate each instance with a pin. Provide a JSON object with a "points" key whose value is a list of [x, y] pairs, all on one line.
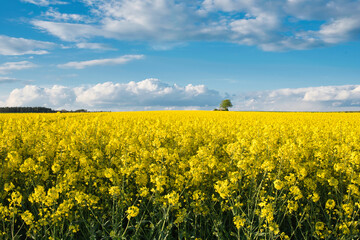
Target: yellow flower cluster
{"points": [[180, 174]]}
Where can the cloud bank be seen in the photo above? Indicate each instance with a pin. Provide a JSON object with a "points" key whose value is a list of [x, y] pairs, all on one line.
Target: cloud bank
{"points": [[325, 98], [270, 25], [147, 94], [153, 94]]}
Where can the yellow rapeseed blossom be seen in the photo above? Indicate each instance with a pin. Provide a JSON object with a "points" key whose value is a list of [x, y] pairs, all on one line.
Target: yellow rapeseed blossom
{"points": [[222, 187], [132, 212], [83, 175], [27, 217], [330, 204], [239, 222], [114, 191], [8, 186], [278, 184]]}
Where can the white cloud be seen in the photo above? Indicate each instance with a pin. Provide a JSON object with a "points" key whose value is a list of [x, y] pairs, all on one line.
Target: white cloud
{"points": [[96, 62], [149, 92], [32, 95], [146, 94], [57, 16], [259, 23], [70, 31], [95, 46], [152, 94], [340, 30], [11, 66], [44, 2], [251, 31], [325, 98], [321, 9], [21, 46]]}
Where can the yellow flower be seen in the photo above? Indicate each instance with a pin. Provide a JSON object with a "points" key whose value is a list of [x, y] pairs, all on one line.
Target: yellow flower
{"points": [[144, 191], [180, 216], [348, 209], [109, 173], [9, 186], [319, 226], [295, 190], [172, 198], [55, 167], [114, 191], [28, 165], [315, 197], [38, 195], [27, 217], [132, 212], [344, 228], [278, 184], [292, 206], [190, 163], [16, 199], [267, 211], [239, 222], [333, 182], [74, 228], [223, 188], [330, 204]]}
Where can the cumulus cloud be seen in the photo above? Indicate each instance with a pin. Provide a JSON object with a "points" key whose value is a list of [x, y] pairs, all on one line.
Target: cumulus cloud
{"points": [[146, 94], [325, 98], [108, 61], [153, 94], [32, 95], [259, 23], [21, 46], [13, 66], [45, 2]]}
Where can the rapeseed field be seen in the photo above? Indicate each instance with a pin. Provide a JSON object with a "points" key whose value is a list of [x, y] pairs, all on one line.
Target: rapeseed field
{"points": [[180, 175]]}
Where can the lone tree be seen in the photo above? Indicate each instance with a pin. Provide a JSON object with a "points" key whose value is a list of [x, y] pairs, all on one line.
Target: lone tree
{"points": [[225, 104]]}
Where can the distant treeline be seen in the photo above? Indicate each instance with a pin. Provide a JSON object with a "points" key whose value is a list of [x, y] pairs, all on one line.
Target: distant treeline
{"points": [[34, 110]]}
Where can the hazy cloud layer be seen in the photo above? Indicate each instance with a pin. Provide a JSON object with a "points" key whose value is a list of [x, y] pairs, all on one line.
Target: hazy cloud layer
{"points": [[8, 80], [21, 46], [94, 46], [270, 25], [45, 2], [326, 98], [96, 62], [13, 66], [146, 94]]}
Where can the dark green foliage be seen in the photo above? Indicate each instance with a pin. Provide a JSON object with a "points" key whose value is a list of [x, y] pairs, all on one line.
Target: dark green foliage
{"points": [[34, 110], [225, 105], [26, 110]]}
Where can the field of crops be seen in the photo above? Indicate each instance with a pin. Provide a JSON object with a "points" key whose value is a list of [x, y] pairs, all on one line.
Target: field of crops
{"points": [[180, 175]]}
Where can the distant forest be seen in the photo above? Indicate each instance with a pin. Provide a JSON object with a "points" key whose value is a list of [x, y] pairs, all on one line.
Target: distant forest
{"points": [[34, 110]]}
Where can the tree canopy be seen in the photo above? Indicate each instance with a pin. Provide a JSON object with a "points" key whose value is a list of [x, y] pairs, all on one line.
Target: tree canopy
{"points": [[225, 104]]}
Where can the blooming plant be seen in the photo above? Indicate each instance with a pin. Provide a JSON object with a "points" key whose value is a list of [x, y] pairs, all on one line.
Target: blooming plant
{"points": [[180, 175]]}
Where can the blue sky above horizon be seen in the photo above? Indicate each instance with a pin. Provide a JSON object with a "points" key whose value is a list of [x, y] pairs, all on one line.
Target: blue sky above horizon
{"points": [[291, 55]]}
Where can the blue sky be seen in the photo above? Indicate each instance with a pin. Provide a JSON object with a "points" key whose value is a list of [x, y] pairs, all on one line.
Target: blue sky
{"points": [[291, 55]]}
